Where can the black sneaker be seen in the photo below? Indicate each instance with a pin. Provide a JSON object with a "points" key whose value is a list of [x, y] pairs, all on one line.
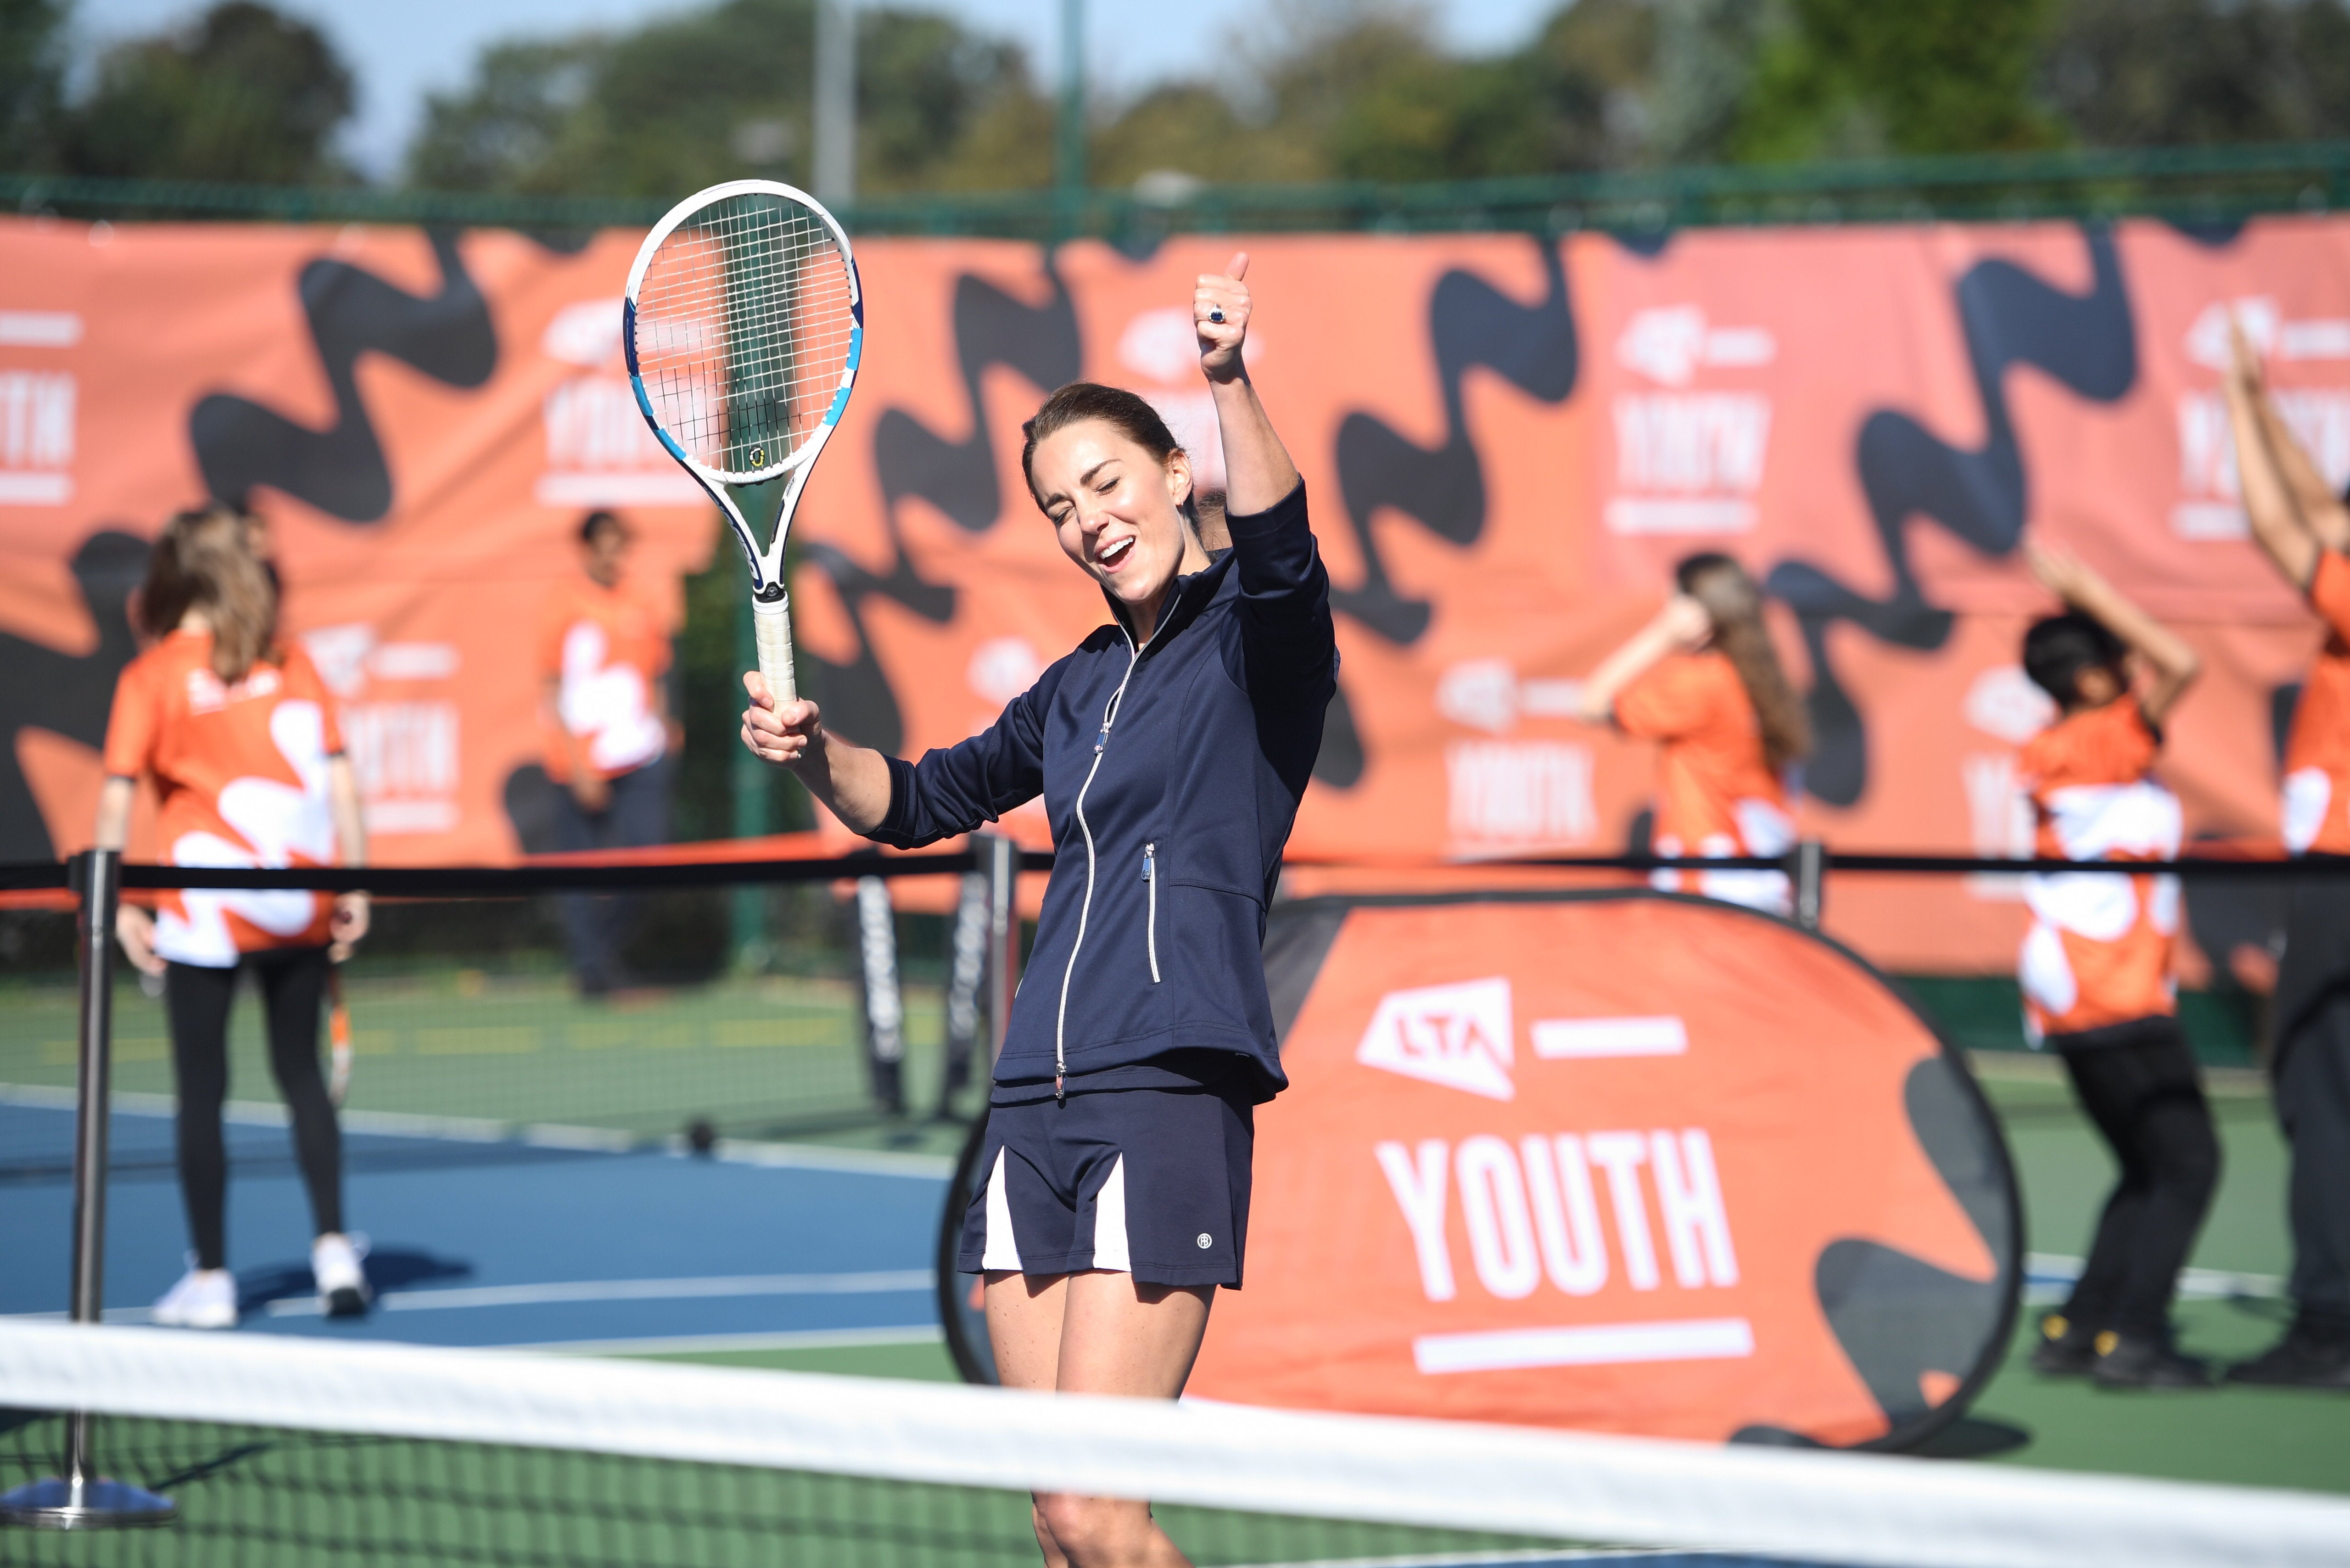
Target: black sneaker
{"points": [[2140, 1361], [2301, 1359], [2066, 1349]]}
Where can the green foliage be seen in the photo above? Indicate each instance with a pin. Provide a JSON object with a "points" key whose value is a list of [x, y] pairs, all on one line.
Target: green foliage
{"points": [[32, 81], [2150, 73], [242, 93], [1860, 78], [717, 94], [708, 695]]}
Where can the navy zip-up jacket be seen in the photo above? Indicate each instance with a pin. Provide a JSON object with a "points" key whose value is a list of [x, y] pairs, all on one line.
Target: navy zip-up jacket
{"points": [[1191, 755]]}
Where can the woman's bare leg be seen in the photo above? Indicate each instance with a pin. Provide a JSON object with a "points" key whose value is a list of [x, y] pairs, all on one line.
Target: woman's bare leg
{"points": [[1096, 1332]]}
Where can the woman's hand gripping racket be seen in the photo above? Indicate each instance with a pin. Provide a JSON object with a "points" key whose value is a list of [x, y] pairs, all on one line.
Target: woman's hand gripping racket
{"points": [[742, 324]]}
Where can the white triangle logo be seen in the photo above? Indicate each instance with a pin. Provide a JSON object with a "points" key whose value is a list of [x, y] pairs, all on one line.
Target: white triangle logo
{"points": [[1457, 1035]]}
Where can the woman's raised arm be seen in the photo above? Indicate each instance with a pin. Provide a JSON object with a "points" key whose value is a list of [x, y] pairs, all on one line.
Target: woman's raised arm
{"points": [[1257, 470]]}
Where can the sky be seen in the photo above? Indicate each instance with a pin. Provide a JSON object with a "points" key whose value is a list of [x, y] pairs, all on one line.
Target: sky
{"points": [[402, 50]]}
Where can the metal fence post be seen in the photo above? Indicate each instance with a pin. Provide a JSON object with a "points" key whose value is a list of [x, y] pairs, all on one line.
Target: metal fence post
{"points": [[999, 862], [80, 1499], [1808, 865]]}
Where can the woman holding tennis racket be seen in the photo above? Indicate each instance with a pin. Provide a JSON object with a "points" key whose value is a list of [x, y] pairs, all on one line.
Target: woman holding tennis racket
{"points": [[1171, 748]]}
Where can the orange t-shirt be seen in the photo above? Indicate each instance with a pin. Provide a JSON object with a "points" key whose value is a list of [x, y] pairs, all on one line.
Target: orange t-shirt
{"points": [[2102, 949], [1716, 795], [2317, 757], [606, 648], [240, 778]]}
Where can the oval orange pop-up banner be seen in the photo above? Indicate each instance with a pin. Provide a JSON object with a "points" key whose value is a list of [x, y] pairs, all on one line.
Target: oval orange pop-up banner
{"points": [[1626, 1162]]}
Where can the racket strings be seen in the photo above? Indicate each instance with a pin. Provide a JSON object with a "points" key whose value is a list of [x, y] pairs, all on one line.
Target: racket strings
{"points": [[744, 323]]}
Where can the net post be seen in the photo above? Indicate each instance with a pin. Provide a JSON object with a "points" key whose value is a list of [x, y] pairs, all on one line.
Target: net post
{"points": [[1807, 865], [80, 1499], [999, 862], [885, 1008]]}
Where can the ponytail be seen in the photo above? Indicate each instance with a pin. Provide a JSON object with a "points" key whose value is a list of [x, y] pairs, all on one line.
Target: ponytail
{"points": [[1735, 604], [202, 561]]}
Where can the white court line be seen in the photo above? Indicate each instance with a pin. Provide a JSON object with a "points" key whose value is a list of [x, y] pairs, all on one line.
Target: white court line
{"points": [[1589, 1344], [889, 1281], [2049, 1277], [539, 1134], [789, 1339], [875, 1283]]}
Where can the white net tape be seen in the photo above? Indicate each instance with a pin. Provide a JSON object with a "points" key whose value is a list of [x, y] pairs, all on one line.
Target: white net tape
{"points": [[1844, 1509]]}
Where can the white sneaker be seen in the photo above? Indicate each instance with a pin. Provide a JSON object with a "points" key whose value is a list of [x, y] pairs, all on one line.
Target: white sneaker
{"points": [[342, 1285], [204, 1298]]}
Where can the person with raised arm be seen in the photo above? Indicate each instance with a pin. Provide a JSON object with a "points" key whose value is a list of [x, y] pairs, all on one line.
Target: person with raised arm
{"points": [[2099, 970], [2304, 528], [1171, 748], [1703, 681]]}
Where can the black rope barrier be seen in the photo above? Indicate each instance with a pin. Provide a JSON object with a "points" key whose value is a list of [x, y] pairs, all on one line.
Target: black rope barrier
{"points": [[520, 881]]}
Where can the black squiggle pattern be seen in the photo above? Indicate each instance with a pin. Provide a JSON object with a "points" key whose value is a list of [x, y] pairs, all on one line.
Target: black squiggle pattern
{"points": [[341, 470], [1471, 323], [68, 694], [2010, 318], [957, 477]]}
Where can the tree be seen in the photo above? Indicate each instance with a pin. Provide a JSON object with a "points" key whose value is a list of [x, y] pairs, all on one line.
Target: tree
{"points": [[32, 81], [2147, 73], [1860, 78], [242, 93], [723, 93]]}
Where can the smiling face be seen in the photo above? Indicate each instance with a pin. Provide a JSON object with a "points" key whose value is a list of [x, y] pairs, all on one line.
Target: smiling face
{"points": [[1115, 509]]}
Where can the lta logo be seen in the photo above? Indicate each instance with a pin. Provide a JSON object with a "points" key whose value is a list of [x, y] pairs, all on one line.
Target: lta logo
{"points": [[1457, 1035]]}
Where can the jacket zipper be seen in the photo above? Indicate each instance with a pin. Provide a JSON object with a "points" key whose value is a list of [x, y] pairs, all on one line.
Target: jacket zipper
{"points": [[1151, 875], [1085, 910]]}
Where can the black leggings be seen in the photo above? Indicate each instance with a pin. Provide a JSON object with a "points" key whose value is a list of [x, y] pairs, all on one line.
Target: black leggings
{"points": [[2139, 1083], [292, 986]]}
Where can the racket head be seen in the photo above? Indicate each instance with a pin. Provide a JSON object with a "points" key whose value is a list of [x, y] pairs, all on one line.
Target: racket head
{"points": [[742, 324]]}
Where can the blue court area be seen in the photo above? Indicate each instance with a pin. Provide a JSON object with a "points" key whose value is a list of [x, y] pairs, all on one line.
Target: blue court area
{"points": [[480, 1240]]}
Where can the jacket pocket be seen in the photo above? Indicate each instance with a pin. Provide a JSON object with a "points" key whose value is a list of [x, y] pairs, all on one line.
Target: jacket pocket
{"points": [[1150, 883]]}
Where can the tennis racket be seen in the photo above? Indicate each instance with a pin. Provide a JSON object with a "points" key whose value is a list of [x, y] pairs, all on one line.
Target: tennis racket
{"points": [[742, 324]]}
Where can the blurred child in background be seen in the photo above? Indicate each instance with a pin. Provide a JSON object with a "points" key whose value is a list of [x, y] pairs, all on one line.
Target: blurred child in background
{"points": [[2099, 970], [1703, 679]]}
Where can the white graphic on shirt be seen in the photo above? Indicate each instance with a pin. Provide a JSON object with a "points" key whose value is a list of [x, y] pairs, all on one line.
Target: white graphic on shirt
{"points": [[608, 703], [276, 822], [2308, 795]]}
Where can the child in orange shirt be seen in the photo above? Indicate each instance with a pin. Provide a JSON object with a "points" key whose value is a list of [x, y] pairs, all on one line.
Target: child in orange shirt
{"points": [[2304, 528], [2097, 972], [603, 662], [1703, 680], [239, 735]]}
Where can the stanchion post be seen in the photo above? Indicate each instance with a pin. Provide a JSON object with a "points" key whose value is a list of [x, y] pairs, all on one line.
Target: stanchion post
{"points": [[1808, 866], [999, 862], [80, 1499]]}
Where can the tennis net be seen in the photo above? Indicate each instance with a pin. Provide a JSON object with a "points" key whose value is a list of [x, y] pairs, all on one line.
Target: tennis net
{"points": [[284, 1452], [462, 1014]]}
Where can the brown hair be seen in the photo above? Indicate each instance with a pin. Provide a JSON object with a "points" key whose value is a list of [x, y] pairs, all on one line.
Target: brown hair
{"points": [[203, 561], [1735, 604], [1116, 407]]}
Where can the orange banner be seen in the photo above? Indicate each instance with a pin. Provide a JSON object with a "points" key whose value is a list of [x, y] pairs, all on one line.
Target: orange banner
{"points": [[1508, 441], [1750, 1196]]}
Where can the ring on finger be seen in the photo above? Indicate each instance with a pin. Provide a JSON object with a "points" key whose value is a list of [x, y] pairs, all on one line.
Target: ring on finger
{"points": [[1217, 315]]}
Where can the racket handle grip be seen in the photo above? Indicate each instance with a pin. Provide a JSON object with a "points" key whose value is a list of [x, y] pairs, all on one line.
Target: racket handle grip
{"points": [[772, 626]]}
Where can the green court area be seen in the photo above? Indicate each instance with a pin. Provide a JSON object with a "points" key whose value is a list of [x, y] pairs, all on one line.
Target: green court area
{"points": [[2251, 1437], [259, 1497], [515, 1046]]}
